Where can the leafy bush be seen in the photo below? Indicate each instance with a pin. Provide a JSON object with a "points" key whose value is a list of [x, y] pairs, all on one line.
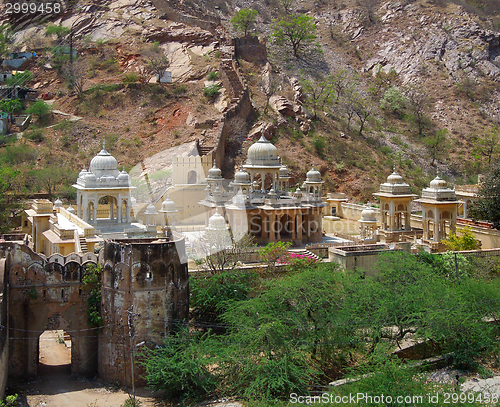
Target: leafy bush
{"points": [[213, 75], [212, 91], [180, 366], [131, 77], [393, 101], [211, 297], [35, 135], [41, 110]]}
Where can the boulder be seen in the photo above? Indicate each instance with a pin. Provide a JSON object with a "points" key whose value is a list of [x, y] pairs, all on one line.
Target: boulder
{"points": [[281, 105]]}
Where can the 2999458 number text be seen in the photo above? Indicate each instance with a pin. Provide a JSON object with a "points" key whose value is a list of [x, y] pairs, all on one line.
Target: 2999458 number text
{"points": [[33, 8]]}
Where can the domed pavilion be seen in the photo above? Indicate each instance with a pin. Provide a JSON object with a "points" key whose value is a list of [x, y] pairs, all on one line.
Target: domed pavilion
{"points": [[258, 200], [103, 184]]}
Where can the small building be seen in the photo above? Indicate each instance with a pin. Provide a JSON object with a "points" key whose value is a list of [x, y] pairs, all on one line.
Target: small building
{"points": [[439, 212], [395, 208]]}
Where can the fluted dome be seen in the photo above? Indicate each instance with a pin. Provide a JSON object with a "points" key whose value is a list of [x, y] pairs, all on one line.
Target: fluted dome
{"points": [[241, 177], [214, 173], [394, 178], [283, 172], [90, 177], [438, 183], [103, 162], [217, 222], [151, 210], [313, 175], [368, 215], [168, 206], [82, 173], [262, 154], [123, 176]]}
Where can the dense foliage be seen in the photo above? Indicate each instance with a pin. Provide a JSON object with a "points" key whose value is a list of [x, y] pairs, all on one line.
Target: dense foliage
{"points": [[310, 327], [487, 207]]}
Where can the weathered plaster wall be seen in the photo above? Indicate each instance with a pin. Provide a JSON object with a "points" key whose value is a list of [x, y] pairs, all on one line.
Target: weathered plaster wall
{"points": [[151, 280]]}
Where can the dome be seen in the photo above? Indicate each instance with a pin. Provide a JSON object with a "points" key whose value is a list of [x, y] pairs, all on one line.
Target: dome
{"points": [[242, 177], [263, 154], [168, 206], [214, 173], [368, 215], [313, 175], [438, 183], [70, 209], [57, 203], [107, 178], [151, 210], [123, 176], [217, 222], [283, 172], [133, 201], [394, 178], [82, 173], [103, 162], [90, 177]]}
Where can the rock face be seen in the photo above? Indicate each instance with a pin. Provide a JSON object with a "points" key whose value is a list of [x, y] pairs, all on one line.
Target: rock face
{"points": [[262, 129], [281, 105], [178, 32]]}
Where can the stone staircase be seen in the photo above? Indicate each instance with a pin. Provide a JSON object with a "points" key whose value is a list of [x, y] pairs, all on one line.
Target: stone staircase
{"points": [[83, 244], [305, 252]]}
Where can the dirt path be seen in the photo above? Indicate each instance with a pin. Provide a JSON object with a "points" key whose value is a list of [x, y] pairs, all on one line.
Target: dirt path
{"points": [[54, 387]]}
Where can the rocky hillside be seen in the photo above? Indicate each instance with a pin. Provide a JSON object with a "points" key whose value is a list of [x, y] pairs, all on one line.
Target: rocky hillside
{"points": [[424, 74]]}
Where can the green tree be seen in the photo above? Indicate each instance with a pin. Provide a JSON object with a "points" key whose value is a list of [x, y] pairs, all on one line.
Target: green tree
{"points": [[5, 40], [487, 146], [296, 32], [437, 145], [487, 207], [20, 78], [465, 241], [58, 30], [91, 283], [418, 107], [393, 101], [317, 93], [11, 105], [244, 19], [41, 110]]}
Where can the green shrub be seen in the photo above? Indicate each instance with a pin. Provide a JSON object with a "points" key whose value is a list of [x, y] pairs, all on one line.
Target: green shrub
{"points": [[212, 76], [211, 296], [41, 110], [212, 91], [131, 77], [393, 101], [35, 135], [180, 90]]}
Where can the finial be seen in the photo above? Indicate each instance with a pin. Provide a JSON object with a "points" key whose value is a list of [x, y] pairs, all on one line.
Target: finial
{"points": [[217, 210], [104, 144], [394, 167], [123, 168]]}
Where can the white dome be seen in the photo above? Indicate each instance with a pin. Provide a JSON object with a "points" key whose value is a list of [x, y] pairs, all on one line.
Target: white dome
{"points": [[168, 206], [103, 162], [70, 209], [123, 176], [90, 177], [313, 175], [241, 177], [133, 201], [263, 154], [214, 173], [438, 183], [151, 210], [57, 203], [394, 178], [368, 215], [283, 172], [82, 173], [217, 222]]}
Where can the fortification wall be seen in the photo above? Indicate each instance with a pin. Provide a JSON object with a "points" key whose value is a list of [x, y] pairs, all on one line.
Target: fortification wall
{"points": [[145, 295]]}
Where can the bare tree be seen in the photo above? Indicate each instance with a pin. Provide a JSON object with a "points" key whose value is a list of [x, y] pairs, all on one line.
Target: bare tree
{"points": [[220, 252], [418, 107], [76, 75]]}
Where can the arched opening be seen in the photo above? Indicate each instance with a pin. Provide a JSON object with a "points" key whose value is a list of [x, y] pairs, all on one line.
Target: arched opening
{"points": [[54, 353], [268, 182], [192, 177]]}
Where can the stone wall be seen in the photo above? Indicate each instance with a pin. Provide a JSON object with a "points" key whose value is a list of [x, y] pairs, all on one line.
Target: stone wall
{"points": [[45, 294], [250, 49], [149, 279]]}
